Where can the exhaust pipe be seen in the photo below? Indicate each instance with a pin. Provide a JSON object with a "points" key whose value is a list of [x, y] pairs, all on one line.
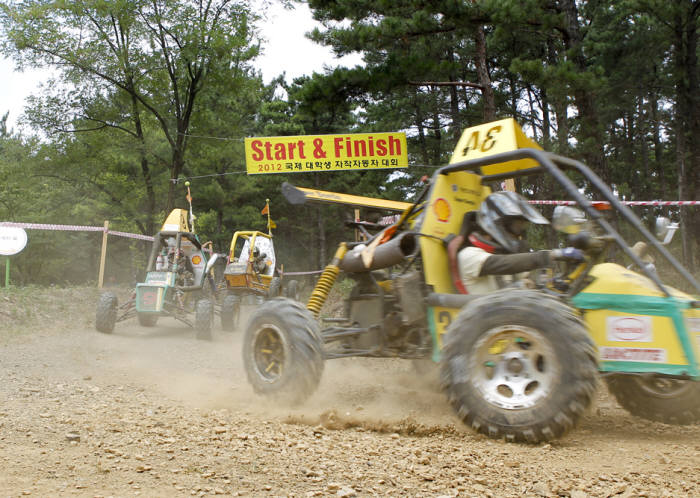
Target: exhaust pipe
{"points": [[388, 254]]}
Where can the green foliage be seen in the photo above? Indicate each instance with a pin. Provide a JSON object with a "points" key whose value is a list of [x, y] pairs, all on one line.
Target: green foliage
{"points": [[147, 94]]}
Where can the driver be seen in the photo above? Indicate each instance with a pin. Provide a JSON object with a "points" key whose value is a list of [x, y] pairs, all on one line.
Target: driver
{"points": [[493, 246], [259, 261]]}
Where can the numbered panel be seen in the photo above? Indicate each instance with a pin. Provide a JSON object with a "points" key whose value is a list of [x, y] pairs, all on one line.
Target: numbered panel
{"points": [[494, 138]]}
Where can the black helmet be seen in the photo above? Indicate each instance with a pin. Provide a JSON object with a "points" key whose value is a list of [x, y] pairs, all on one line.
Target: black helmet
{"points": [[497, 215]]}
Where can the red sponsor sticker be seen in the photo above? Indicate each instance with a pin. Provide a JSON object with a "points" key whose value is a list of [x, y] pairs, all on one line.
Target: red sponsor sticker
{"points": [[650, 355], [629, 328]]}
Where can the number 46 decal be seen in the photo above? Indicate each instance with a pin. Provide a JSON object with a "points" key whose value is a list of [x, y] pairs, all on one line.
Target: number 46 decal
{"points": [[476, 143]]}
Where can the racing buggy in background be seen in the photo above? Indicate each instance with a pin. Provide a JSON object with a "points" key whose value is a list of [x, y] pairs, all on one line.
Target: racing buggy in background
{"points": [[519, 364], [251, 276], [179, 283]]}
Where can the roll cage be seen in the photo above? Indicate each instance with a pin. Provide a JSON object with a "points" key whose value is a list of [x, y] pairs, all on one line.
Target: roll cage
{"points": [[555, 165]]}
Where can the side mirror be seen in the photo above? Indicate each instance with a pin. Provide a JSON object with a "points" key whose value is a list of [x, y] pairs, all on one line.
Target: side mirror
{"points": [[568, 219], [665, 229]]}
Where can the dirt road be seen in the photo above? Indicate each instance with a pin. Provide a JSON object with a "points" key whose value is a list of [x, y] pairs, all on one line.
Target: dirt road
{"points": [[154, 412]]}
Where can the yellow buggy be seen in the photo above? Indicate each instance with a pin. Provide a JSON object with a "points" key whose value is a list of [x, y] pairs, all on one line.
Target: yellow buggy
{"points": [[251, 276], [520, 363]]}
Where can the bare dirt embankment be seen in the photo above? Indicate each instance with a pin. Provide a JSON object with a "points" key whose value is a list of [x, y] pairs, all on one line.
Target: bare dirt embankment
{"points": [[154, 412]]}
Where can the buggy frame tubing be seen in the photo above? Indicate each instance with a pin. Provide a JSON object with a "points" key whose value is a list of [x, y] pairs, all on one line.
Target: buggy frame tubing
{"points": [[549, 162]]}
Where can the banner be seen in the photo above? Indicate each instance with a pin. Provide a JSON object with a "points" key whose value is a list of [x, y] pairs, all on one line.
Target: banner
{"points": [[308, 153]]}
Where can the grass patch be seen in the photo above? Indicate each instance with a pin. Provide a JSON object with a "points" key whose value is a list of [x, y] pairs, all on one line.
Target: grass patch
{"points": [[24, 309]]}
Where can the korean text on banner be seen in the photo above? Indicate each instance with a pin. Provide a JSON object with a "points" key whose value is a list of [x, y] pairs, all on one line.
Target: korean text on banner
{"points": [[303, 154]]}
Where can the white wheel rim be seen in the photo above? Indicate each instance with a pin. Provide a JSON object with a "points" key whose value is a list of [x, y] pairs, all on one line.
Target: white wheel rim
{"points": [[514, 367]]}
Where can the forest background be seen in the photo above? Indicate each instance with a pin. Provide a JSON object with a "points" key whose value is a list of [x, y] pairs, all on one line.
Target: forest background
{"points": [[146, 94]]}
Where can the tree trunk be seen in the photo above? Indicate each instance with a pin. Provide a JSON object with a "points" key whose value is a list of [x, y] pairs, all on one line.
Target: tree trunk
{"points": [[438, 138], [454, 105], [546, 125], [687, 125], [483, 76], [421, 132], [658, 146], [590, 131], [145, 169]]}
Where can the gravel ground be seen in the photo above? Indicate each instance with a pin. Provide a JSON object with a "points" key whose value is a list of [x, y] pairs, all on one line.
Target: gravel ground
{"points": [[154, 412]]}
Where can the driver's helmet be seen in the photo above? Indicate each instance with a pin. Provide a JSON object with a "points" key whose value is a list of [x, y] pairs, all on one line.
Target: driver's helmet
{"points": [[505, 217], [256, 252]]}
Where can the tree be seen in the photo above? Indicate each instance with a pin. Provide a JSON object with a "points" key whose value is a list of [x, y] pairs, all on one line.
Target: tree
{"points": [[128, 65]]}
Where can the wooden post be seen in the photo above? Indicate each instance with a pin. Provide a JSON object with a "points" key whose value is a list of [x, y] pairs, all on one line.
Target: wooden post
{"points": [[7, 272], [357, 232], [103, 255]]}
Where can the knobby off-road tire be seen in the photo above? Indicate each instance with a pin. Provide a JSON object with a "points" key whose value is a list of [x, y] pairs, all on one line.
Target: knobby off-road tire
{"points": [[203, 318], [519, 366], [282, 351], [274, 290], [671, 401], [106, 313], [147, 319], [230, 312], [291, 290]]}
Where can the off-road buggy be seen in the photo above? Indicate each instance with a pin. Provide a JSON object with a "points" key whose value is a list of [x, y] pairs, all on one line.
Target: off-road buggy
{"points": [[521, 363], [251, 276], [179, 283]]}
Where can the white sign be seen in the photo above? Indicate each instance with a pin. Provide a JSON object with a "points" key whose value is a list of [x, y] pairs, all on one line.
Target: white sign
{"points": [[12, 240], [629, 328], [653, 355]]}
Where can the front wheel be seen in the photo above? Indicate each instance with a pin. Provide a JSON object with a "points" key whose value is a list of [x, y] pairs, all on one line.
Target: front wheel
{"points": [[230, 312], [203, 318], [519, 365], [661, 399], [106, 313], [282, 352]]}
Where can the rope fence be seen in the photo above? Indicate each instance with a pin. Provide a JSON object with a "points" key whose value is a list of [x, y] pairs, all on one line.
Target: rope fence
{"points": [[75, 228], [386, 220], [627, 203]]}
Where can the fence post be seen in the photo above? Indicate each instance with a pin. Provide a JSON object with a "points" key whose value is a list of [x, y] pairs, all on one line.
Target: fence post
{"points": [[103, 255]]}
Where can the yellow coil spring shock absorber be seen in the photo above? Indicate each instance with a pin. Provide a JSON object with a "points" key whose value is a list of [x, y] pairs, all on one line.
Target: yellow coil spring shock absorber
{"points": [[326, 281]]}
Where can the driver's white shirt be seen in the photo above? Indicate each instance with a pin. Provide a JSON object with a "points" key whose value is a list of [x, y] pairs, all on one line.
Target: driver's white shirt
{"points": [[470, 260]]}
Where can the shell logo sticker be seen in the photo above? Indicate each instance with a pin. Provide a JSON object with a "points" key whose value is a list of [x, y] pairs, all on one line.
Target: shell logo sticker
{"points": [[629, 328], [442, 210], [196, 259]]}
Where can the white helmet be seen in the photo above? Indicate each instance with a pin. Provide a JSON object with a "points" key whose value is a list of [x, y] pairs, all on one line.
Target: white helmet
{"points": [[497, 215]]}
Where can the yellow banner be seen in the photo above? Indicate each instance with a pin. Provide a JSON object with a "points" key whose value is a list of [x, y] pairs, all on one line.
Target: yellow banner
{"points": [[308, 153]]}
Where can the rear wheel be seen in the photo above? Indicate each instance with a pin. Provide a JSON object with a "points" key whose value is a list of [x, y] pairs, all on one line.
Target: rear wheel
{"points": [[230, 312], [203, 318], [661, 399], [519, 365], [292, 290], [147, 319], [282, 352], [106, 313]]}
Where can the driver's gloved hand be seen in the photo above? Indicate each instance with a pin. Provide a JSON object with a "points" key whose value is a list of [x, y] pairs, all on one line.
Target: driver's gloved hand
{"points": [[568, 254]]}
